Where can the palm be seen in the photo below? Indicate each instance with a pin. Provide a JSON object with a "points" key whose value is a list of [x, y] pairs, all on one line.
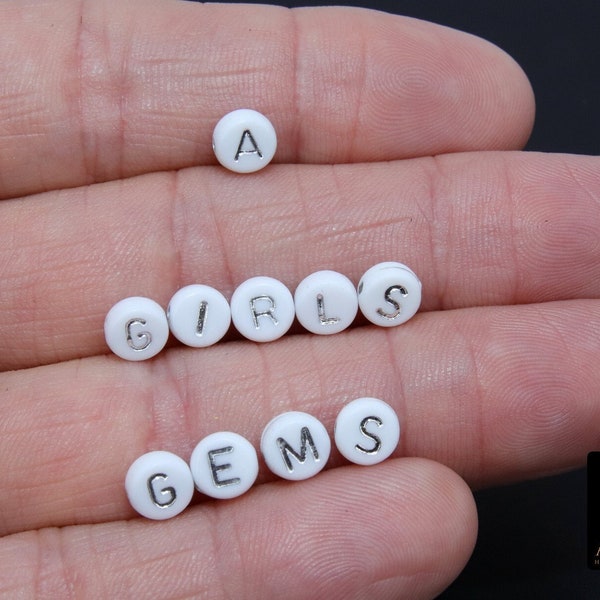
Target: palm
{"points": [[492, 376]]}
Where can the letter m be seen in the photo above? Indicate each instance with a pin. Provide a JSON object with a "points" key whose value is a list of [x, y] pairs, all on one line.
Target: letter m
{"points": [[306, 441]]}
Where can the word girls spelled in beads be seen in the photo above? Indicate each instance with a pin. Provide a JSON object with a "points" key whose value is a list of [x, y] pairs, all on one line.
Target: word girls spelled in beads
{"points": [[262, 309]]}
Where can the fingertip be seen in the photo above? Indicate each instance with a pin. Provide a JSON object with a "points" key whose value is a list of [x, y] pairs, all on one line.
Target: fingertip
{"points": [[405, 528], [507, 99], [427, 524], [399, 87], [454, 521]]}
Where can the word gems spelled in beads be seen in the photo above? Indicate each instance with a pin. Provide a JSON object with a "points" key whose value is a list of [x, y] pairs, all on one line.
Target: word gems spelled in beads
{"points": [[294, 445], [263, 309]]}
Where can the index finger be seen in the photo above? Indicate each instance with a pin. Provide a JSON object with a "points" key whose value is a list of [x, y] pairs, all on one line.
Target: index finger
{"points": [[93, 91]]}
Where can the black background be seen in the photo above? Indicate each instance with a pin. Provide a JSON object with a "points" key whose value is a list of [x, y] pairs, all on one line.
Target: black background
{"points": [[593, 515], [532, 539]]}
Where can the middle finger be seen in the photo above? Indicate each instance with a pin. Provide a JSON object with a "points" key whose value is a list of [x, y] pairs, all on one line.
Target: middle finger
{"points": [[478, 229]]}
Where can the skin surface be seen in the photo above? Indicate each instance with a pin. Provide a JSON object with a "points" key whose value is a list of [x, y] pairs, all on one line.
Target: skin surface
{"points": [[399, 143]]}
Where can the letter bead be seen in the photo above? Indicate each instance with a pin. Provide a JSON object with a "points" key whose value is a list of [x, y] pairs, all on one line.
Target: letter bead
{"points": [[389, 294], [244, 141], [224, 465], [159, 485], [295, 445], [198, 315], [136, 328], [367, 431], [326, 302], [262, 309]]}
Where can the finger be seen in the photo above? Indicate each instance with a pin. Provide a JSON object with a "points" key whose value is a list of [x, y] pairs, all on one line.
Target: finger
{"points": [[351, 533], [490, 392], [105, 90], [478, 229]]}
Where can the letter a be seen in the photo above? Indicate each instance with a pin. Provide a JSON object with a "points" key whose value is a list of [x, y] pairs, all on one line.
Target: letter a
{"points": [[247, 137]]}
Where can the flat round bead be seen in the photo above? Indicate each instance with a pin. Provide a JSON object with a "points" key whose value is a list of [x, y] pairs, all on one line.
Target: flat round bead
{"points": [[224, 465], [389, 294], [295, 445], [136, 328], [367, 431], [244, 141], [326, 302], [159, 485], [198, 315], [262, 309]]}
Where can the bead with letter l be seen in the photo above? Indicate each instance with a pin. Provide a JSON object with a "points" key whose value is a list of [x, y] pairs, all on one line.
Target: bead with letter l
{"points": [[325, 302]]}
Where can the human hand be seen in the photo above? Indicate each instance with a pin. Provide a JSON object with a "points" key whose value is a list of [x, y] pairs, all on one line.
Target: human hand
{"points": [[494, 373]]}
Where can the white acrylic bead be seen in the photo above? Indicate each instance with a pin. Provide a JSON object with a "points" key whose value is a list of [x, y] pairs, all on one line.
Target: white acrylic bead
{"points": [[244, 141], [326, 302], [159, 485], [367, 431], [262, 309], [198, 315], [136, 328], [224, 465], [295, 445], [389, 294]]}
